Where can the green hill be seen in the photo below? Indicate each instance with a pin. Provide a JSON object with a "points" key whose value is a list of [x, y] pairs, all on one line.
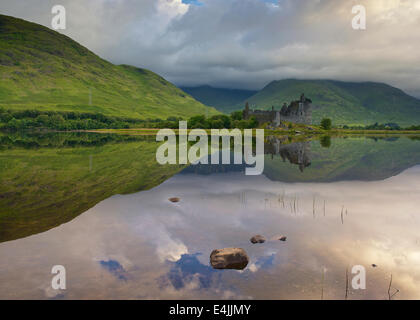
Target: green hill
{"points": [[224, 100], [45, 70], [343, 102]]}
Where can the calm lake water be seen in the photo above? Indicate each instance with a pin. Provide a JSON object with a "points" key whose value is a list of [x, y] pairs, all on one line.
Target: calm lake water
{"points": [[98, 205]]}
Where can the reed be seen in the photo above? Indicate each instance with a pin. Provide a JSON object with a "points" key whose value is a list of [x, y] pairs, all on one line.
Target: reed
{"points": [[389, 289], [281, 198], [347, 283], [322, 284], [313, 207]]}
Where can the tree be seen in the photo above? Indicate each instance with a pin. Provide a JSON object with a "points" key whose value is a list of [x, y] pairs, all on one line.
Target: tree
{"points": [[326, 124], [56, 121], [197, 122], [6, 117], [236, 115], [223, 118], [43, 120], [253, 122], [13, 124], [217, 124]]}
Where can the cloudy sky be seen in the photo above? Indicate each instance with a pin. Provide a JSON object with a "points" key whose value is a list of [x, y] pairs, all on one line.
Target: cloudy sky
{"points": [[245, 43]]}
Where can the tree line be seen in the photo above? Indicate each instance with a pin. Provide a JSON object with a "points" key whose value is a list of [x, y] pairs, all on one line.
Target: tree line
{"points": [[67, 121]]}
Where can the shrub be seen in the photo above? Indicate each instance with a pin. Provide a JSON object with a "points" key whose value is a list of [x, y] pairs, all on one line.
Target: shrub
{"points": [[326, 124]]}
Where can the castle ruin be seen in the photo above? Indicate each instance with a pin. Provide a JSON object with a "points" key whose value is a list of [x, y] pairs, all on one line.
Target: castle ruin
{"points": [[299, 111]]}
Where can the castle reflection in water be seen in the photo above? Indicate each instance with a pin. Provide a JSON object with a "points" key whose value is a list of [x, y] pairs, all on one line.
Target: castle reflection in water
{"points": [[298, 153]]}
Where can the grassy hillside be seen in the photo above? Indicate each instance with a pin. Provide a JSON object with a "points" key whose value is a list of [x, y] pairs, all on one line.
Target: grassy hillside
{"points": [[48, 180], [224, 100], [45, 70], [343, 102]]}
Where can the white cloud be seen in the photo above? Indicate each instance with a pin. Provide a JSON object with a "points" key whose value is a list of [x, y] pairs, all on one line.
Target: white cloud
{"points": [[246, 43]]}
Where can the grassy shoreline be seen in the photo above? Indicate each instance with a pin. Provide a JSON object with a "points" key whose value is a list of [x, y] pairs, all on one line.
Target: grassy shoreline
{"points": [[333, 132], [307, 132]]}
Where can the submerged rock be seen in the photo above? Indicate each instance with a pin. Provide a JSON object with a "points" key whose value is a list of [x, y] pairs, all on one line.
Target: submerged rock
{"points": [[229, 258], [257, 239], [174, 199]]}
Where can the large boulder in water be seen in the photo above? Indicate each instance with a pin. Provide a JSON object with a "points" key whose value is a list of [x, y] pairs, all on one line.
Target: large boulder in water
{"points": [[229, 258]]}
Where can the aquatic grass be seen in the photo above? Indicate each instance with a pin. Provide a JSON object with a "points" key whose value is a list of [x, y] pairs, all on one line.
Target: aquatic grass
{"points": [[347, 284], [389, 290], [313, 206], [281, 198]]}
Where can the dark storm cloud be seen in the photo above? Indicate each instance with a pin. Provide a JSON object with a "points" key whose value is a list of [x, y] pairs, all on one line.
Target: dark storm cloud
{"points": [[246, 43]]}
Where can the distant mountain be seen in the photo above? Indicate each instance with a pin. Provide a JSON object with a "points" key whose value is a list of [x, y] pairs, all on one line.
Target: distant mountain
{"points": [[343, 102], [224, 100], [45, 70]]}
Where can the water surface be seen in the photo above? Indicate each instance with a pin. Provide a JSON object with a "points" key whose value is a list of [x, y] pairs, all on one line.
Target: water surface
{"points": [[99, 206]]}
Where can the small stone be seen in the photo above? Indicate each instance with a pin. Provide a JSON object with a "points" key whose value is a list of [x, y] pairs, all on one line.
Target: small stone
{"points": [[374, 265], [257, 239], [174, 199], [229, 258], [282, 238]]}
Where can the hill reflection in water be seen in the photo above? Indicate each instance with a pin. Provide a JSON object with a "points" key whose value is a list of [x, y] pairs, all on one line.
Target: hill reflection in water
{"points": [[340, 159]]}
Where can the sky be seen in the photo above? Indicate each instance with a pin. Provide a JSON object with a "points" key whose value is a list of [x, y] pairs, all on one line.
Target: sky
{"points": [[245, 43]]}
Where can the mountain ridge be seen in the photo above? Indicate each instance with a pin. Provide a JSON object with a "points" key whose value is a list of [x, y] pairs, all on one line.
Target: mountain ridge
{"points": [[345, 102], [223, 99]]}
